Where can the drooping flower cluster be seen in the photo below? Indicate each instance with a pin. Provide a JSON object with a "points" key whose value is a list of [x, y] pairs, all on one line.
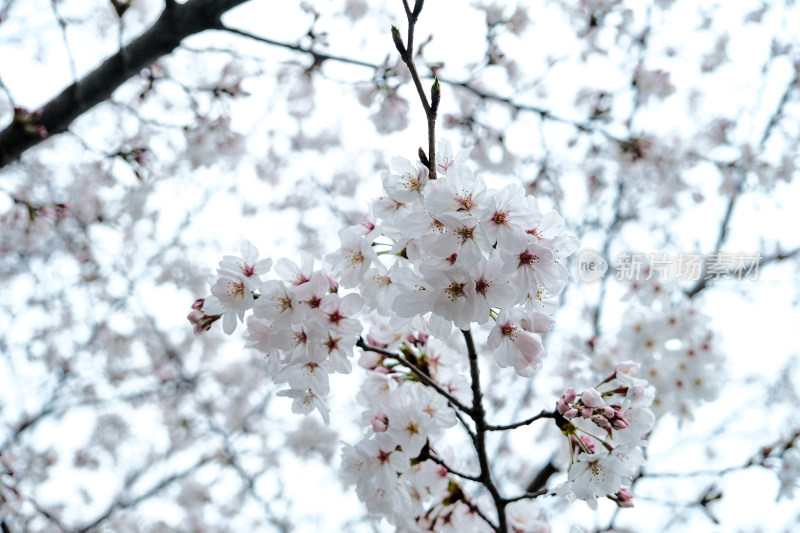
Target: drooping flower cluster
{"points": [[300, 322], [606, 427], [393, 466], [307, 330]]}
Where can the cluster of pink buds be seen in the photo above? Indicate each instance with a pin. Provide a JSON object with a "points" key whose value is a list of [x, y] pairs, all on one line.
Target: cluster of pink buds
{"points": [[28, 121], [201, 321], [591, 406]]}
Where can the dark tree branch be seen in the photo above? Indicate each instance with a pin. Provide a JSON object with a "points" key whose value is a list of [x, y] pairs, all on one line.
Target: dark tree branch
{"points": [[527, 496], [407, 55], [319, 57], [423, 377], [539, 482], [481, 428], [176, 23], [450, 470], [544, 114], [527, 421]]}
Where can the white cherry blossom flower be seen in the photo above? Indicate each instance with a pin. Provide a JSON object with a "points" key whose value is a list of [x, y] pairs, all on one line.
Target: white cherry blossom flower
{"points": [[595, 475], [513, 345], [408, 182], [249, 267], [230, 297], [445, 159], [305, 401]]}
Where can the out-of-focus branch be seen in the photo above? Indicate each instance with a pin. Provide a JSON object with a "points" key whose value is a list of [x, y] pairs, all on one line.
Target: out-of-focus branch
{"points": [[544, 114], [47, 409], [166, 482], [724, 227], [174, 25]]}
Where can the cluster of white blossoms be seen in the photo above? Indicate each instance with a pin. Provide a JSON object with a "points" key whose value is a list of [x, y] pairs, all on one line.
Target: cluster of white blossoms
{"points": [[457, 253], [669, 336], [436, 254], [449, 251], [300, 322], [397, 466], [392, 466], [606, 426]]}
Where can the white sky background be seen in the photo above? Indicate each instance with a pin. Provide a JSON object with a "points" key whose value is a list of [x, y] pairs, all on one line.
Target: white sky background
{"points": [[758, 325]]}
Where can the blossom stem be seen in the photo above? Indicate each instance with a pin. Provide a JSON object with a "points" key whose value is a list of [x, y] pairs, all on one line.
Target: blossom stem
{"points": [[408, 59], [527, 495], [423, 377], [543, 414], [478, 414], [441, 462]]}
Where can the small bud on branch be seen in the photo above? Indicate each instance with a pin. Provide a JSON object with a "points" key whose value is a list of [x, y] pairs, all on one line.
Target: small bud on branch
{"points": [[423, 158], [436, 94], [398, 42]]}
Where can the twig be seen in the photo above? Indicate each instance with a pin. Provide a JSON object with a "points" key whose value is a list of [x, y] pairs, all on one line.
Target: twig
{"points": [[739, 185], [407, 55], [543, 414], [423, 377], [527, 496], [441, 462]]}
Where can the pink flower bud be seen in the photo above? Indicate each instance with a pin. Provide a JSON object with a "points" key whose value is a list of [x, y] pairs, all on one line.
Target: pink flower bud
{"points": [[373, 341], [582, 446], [624, 498], [561, 406], [592, 398], [601, 421], [370, 360], [619, 423], [570, 395], [380, 423], [198, 304], [200, 321]]}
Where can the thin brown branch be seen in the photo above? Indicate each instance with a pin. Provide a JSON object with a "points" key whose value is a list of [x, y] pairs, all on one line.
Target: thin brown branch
{"points": [[527, 496], [423, 377], [450, 470], [527, 421], [544, 114], [475, 509], [407, 55], [318, 57]]}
